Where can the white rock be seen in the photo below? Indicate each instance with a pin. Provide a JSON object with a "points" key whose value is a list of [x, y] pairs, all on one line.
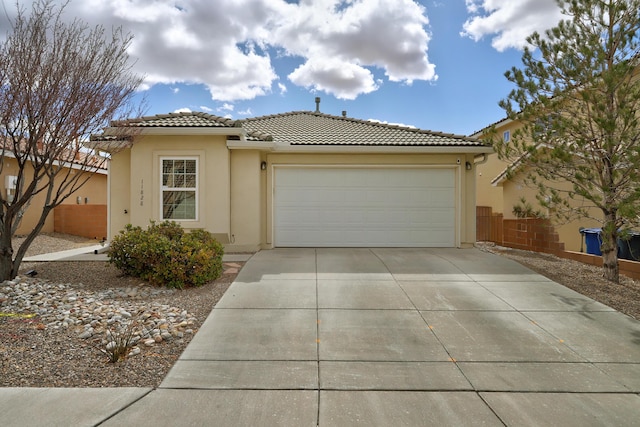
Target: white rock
{"points": [[86, 334]]}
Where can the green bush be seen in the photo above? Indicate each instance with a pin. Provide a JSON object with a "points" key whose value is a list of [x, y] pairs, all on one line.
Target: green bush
{"points": [[165, 255]]}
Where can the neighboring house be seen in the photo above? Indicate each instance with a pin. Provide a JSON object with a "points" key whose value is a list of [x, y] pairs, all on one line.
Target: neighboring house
{"points": [[501, 186], [82, 214], [294, 180]]}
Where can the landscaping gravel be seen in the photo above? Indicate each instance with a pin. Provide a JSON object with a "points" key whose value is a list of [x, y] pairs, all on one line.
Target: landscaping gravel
{"points": [[76, 303]]}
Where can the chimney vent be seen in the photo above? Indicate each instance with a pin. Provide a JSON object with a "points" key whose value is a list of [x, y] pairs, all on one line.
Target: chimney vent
{"points": [[317, 104], [344, 113]]}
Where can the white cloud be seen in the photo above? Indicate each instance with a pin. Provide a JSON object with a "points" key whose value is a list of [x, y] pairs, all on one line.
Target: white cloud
{"points": [[344, 80], [225, 107], [206, 109], [510, 22], [391, 124], [283, 88], [183, 110], [246, 112], [227, 48], [175, 89], [387, 34]]}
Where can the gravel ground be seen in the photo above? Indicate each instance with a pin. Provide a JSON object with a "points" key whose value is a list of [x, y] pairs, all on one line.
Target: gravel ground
{"points": [[582, 278], [34, 356]]}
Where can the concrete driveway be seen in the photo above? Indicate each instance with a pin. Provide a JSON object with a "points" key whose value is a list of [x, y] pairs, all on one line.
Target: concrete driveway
{"points": [[379, 337]]}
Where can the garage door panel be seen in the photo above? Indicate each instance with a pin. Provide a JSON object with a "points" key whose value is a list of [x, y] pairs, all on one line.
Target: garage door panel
{"points": [[364, 207]]}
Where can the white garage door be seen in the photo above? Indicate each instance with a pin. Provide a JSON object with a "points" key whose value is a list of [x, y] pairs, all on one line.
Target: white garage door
{"points": [[364, 207]]}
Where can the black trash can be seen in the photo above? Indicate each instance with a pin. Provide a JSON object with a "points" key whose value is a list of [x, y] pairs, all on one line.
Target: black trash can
{"points": [[629, 248]]}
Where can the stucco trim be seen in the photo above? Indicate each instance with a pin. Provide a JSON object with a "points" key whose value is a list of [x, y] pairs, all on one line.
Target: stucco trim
{"points": [[360, 149], [250, 145]]}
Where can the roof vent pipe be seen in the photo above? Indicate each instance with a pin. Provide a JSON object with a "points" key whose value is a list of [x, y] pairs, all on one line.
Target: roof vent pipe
{"points": [[317, 104], [344, 113]]}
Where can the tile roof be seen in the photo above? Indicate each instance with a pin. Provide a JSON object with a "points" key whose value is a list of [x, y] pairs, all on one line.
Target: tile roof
{"points": [[191, 119], [312, 128], [73, 157]]}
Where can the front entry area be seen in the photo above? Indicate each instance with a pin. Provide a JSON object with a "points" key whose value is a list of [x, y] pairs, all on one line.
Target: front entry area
{"points": [[317, 206]]}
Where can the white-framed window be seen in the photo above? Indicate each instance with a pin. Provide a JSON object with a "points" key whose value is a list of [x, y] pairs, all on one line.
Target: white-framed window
{"points": [[179, 189], [506, 136]]}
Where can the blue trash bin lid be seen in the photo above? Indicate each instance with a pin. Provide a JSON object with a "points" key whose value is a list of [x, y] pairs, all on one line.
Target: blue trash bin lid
{"points": [[591, 230]]}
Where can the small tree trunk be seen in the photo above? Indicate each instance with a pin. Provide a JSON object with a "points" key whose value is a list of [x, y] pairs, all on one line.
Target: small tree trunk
{"points": [[6, 253], [6, 264], [611, 270]]}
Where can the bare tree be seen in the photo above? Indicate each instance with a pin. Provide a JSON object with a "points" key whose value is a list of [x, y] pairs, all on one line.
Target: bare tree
{"points": [[59, 83]]}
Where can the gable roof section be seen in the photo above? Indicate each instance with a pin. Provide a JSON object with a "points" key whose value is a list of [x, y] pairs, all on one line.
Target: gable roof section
{"points": [[307, 128]]}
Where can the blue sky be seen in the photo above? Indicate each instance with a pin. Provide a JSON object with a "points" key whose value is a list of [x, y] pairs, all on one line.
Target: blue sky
{"points": [[432, 64]]}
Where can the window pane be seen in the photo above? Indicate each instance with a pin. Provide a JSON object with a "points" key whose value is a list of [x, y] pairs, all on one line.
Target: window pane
{"points": [[167, 166], [190, 166], [190, 181], [178, 205], [178, 166]]}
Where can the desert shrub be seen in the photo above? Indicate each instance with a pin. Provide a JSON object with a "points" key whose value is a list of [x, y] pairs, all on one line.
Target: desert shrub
{"points": [[119, 340], [165, 255]]}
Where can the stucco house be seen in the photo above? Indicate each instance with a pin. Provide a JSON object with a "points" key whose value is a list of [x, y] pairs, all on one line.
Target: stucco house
{"points": [[84, 213], [501, 185], [298, 179]]}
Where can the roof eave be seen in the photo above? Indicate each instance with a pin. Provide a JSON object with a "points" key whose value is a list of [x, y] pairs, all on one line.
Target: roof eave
{"points": [[499, 180], [251, 145], [497, 124], [108, 146], [441, 149]]}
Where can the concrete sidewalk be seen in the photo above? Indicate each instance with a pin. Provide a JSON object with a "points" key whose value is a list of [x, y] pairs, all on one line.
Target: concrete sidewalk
{"points": [[378, 337], [99, 253]]}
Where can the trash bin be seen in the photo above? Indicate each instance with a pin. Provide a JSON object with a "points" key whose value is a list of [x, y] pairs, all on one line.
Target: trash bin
{"points": [[629, 248], [592, 239]]}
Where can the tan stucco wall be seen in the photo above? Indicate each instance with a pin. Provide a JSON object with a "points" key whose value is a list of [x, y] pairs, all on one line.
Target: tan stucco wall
{"points": [[487, 194], [568, 232], [95, 190], [120, 206], [144, 181], [247, 201]]}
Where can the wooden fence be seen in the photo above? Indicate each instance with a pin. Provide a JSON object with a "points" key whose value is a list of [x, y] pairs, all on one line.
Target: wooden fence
{"points": [[532, 234], [489, 226]]}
